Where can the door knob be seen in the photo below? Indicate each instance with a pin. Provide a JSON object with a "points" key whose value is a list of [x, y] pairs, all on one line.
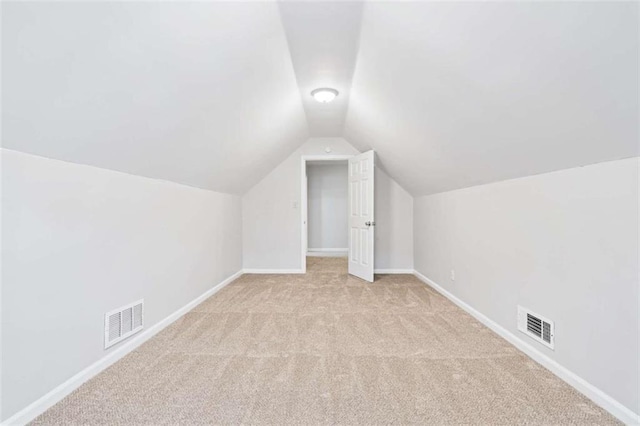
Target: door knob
{"points": [[370, 223]]}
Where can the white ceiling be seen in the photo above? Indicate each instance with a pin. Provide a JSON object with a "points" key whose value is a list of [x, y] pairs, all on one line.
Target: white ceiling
{"points": [[199, 93], [215, 94], [323, 41], [452, 95]]}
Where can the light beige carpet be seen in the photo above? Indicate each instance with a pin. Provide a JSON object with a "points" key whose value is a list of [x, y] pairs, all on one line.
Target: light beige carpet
{"points": [[326, 348]]}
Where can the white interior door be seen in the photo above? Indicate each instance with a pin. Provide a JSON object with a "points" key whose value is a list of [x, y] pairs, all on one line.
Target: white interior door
{"points": [[361, 220]]}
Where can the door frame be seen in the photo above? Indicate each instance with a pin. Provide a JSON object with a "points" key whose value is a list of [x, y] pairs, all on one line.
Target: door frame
{"points": [[304, 200]]}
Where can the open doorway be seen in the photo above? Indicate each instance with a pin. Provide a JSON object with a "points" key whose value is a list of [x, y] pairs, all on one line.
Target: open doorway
{"points": [[327, 209], [327, 229], [325, 186]]}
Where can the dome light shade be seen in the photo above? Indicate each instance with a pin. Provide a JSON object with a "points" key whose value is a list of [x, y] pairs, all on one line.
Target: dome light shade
{"points": [[324, 95]]}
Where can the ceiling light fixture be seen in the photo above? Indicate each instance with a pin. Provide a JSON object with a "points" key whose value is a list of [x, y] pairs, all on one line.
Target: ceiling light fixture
{"points": [[324, 95]]}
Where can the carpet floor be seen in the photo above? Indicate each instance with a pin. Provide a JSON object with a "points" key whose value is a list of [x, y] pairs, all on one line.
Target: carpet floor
{"points": [[326, 348]]}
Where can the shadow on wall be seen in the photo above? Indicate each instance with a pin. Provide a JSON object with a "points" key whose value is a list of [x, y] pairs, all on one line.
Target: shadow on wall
{"points": [[393, 211]]}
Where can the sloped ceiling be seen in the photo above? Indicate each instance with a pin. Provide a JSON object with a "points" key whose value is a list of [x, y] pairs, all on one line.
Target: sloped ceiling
{"points": [[216, 94], [452, 95], [323, 41], [199, 93]]}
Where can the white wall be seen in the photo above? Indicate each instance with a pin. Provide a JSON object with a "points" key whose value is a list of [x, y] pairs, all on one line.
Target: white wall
{"points": [[564, 244], [78, 241], [394, 224], [271, 215], [327, 211]]}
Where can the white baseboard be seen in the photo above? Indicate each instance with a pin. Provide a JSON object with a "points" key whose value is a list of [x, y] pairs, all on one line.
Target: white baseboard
{"points": [[38, 407], [605, 401], [328, 252], [393, 271], [272, 271], [41, 405]]}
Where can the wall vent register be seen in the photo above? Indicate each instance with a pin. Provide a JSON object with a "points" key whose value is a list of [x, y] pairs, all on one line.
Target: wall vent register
{"points": [[536, 326], [123, 322]]}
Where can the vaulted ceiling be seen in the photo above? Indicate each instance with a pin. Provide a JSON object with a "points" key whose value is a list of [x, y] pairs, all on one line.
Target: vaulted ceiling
{"points": [[459, 94], [198, 93], [216, 94]]}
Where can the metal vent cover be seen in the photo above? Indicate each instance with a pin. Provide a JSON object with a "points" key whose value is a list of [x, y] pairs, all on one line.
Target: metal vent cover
{"points": [[123, 322], [536, 326]]}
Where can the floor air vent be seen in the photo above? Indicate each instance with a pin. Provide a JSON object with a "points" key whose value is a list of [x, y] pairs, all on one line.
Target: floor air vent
{"points": [[536, 326], [122, 323]]}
